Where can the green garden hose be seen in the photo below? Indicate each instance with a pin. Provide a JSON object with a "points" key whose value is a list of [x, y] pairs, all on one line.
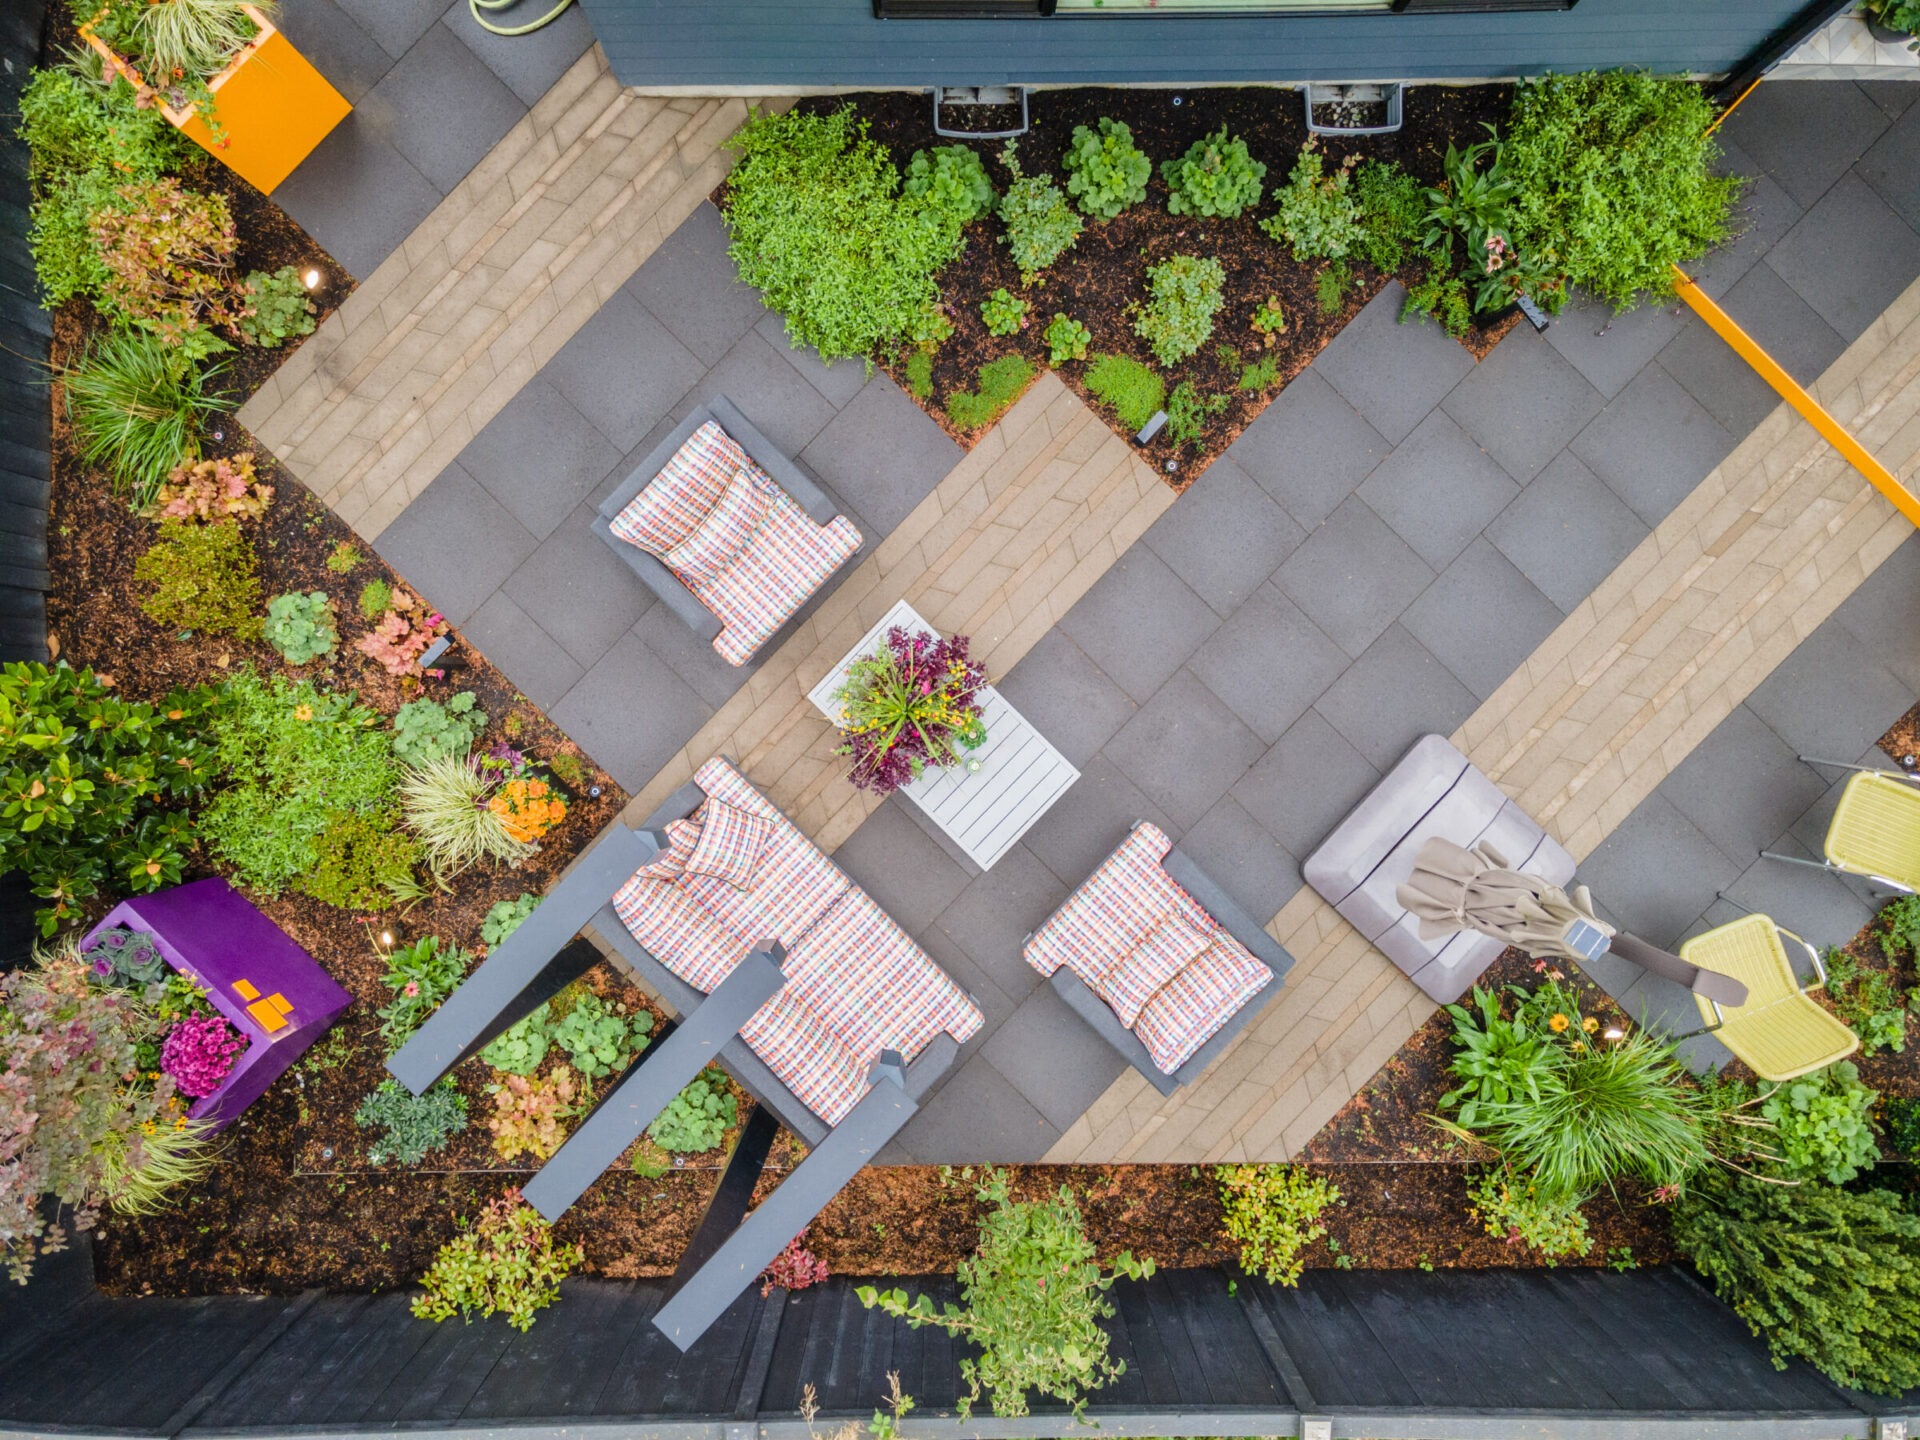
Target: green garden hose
{"points": [[476, 6]]}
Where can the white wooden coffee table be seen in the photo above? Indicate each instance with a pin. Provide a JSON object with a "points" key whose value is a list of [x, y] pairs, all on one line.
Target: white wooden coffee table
{"points": [[1020, 774]]}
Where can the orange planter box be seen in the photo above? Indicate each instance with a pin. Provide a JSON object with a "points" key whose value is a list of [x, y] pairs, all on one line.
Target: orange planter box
{"points": [[273, 106]]}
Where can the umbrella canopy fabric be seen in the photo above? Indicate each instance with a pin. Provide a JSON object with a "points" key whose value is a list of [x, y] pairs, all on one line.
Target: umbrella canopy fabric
{"points": [[1454, 888]]}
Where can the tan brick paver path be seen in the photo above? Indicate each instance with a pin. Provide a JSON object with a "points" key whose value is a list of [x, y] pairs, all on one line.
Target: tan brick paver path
{"points": [[509, 266], [1657, 656]]}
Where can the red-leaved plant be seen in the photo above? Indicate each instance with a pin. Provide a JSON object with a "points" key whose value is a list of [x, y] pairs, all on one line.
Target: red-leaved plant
{"points": [[794, 1268], [402, 635]]}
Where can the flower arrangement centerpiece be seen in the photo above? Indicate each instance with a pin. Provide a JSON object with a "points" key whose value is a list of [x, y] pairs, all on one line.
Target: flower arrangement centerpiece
{"points": [[912, 703]]}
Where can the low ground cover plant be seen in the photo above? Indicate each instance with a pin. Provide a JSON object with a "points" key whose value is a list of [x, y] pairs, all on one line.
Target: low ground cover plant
{"points": [[951, 181], [168, 256], [600, 1039], [1134, 391], [522, 1047], [1823, 1125], [698, 1118], [1274, 1212], [300, 627], [1067, 339], [1004, 314], [274, 308], [1188, 411], [202, 578], [1001, 383], [505, 917], [505, 1262], [1512, 1209], [411, 1127], [224, 488], [530, 1112], [426, 729]]}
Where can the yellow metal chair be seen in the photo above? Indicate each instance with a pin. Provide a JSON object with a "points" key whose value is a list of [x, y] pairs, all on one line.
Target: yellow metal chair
{"points": [[1780, 1031], [1875, 831]]}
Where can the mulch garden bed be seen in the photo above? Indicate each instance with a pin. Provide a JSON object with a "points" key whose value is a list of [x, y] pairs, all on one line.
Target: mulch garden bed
{"points": [[1101, 281]]}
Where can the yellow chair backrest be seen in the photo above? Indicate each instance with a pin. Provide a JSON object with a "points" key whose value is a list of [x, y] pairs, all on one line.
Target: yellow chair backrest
{"points": [[1780, 1031], [1876, 829]]}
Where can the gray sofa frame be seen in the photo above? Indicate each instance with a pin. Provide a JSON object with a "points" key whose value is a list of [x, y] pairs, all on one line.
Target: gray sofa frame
{"points": [[653, 573], [1237, 923]]}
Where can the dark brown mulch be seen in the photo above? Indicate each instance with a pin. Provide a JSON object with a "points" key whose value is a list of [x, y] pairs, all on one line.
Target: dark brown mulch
{"points": [[1101, 281]]}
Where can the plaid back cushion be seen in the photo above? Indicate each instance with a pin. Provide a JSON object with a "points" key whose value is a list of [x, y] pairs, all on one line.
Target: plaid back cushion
{"points": [[1135, 978], [730, 845], [1198, 1001], [794, 884], [820, 1068], [682, 836], [678, 931], [668, 510], [1114, 910], [723, 533]]}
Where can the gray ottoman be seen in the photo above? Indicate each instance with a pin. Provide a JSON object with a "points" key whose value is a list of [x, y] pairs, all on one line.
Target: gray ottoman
{"points": [[1432, 791]]}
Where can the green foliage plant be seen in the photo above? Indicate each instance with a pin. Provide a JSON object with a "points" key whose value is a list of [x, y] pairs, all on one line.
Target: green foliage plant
{"points": [[1866, 998], [1393, 213], [1823, 1124], [202, 578], [820, 229], [376, 598], [505, 1263], [1471, 203], [522, 1047], [168, 253], [505, 917], [1900, 1124], [1612, 176], [1067, 339], [222, 488], [1821, 1274], [1274, 1212], [919, 369], [411, 1126], [274, 308], [1899, 926], [361, 861], [1132, 390], [1004, 314], [1330, 286], [1188, 412], [92, 786], [1262, 374], [1001, 382], [300, 627], [1184, 293], [427, 729], [1106, 172], [1216, 177], [1032, 1299], [1901, 15], [697, 1118], [1269, 318], [600, 1039], [445, 800], [344, 558], [1318, 215], [1512, 1209], [420, 975], [1041, 225], [137, 408], [530, 1112], [951, 181], [1441, 294]]}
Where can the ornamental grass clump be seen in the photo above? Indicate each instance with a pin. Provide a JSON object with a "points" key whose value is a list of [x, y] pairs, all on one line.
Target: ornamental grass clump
{"points": [[504, 1263], [137, 407], [912, 703], [447, 802]]}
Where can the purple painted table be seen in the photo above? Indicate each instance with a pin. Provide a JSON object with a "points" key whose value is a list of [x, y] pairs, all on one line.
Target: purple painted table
{"points": [[266, 986]]}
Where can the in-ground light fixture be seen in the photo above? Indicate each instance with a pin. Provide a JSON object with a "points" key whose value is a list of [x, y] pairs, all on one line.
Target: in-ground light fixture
{"points": [[312, 279]]}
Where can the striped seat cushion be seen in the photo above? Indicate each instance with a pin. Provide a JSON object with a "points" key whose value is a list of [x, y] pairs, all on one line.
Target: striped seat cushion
{"points": [[678, 931], [673, 504], [724, 533], [1114, 910], [788, 558], [822, 1070], [1191, 1006], [1135, 978]]}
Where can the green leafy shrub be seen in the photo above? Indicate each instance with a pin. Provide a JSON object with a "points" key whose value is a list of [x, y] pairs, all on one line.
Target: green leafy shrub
{"points": [[1901, 15], [274, 308], [1823, 1124], [1612, 178], [1318, 215], [1274, 1212], [361, 862], [167, 252], [1001, 382], [600, 1040], [505, 917], [1867, 1000], [300, 627], [1134, 391], [420, 976], [1900, 1120], [1041, 225], [426, 730], [294, 759], [91, 785], [376, 598], [522, 1047], [1899, 922], [820, 229], [1262, 374], [697, 1118], [445, 800], [72, 126], [1003, 314], [1188, 412], [1821, 1274], [202, 578], [920, 373], [1441, 294], [1033, 1297], [951, 182], [1393, 213], [1106, 172], [1067, 339], [1215, 177], [137, 408], [504, 1264], [1184, 293], [1512, 1209], [411, 1126]]}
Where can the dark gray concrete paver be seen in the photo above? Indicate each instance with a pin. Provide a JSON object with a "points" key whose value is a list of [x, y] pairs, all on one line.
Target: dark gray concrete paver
{"points": [[442, 108], [995, 1004], [689, 284], [1300, 789], [1880, 614], [978, 1117], [1831, 699], [839, 381], [1609, 349], [351, 59], [394, 24], [1523, 403], [1053, 1058], [1239, 853], [1309, 448], [1087, 822], [773, 397], [1849, 256], [1225, 537], [527, 64], [1892, 167], [540, 458], [1184, 749], [901, 866], [623, 371], [1107, 622], [1709, 370], [694, 660], [1393, 374], [1268, 662], [630, 712], [1567, 532], [1742, 786], [1806, 134], [357, 195], [1822, 909], [1763, 213], [1652, 444], [991, 918], [1648, 876], [1896, 97], [455, 543], [1067, 697], [1391, 696], [1438, 489], [541, 668], [1786, 327], [882, 455], [1481, 618], [1353, 576], [577, 590]]}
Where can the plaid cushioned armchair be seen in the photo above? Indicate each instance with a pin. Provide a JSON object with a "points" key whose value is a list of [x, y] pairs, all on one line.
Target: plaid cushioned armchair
{"points": [[725, 529]]}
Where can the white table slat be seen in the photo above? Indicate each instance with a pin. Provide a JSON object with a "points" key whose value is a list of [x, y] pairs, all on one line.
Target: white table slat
{"points": [[1021, 775]]}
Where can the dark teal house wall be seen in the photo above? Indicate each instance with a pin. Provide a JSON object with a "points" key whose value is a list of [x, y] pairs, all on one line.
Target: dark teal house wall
{"points": [[826, 43]]}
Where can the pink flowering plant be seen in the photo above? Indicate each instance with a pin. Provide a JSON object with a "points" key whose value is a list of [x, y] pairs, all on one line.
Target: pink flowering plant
{"points": [[420, 975], [199, 1053], [914, 702]]}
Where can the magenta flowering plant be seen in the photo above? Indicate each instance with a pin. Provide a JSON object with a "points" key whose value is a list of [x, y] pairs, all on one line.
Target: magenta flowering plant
{"points": [[199, 1054], [914, 702]]}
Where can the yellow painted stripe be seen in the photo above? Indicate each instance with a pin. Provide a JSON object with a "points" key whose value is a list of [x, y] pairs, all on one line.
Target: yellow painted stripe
{"points": [[1769, 370]]}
